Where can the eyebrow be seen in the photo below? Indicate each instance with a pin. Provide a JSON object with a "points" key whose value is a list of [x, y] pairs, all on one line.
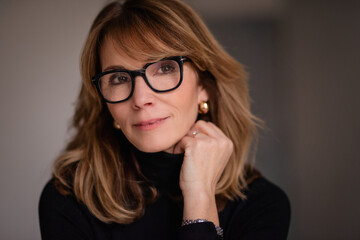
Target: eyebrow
{"points": [[119, 67], [114, 67]]}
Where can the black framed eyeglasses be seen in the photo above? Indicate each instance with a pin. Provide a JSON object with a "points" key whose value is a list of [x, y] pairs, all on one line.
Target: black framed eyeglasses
{"points": [[117, 86]]}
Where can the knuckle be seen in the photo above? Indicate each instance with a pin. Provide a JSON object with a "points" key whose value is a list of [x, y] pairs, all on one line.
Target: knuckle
{"points": [[231, 146], [200, 123], [230, 143], [213, 142], [222, 144]]}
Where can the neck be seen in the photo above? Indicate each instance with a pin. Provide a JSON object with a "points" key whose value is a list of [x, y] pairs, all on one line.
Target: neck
{"points": [[161, 169]]}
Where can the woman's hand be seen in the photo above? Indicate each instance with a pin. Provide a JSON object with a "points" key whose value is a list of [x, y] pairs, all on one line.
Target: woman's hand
{"points": [[206, 155]]}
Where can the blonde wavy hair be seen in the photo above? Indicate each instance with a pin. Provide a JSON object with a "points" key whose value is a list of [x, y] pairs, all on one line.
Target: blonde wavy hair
{"points": [[98, 166]]}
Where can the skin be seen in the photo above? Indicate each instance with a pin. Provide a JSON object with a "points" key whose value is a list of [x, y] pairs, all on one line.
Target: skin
{"points": [[172, 116]]}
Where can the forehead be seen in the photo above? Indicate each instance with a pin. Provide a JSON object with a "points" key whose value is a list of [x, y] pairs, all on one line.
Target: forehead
{"points": [[111, 55], [132, 52]]}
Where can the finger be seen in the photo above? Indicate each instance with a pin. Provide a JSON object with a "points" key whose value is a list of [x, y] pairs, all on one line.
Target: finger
{"points": [[208, 128], [198, 134], [214, 132], [183, 144]]}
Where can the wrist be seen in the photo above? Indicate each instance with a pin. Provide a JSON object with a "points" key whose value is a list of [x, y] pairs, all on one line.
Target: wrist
{"points": [[200, 206], [219, 230]]}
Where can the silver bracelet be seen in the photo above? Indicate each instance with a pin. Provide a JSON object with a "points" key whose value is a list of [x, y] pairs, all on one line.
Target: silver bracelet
{"points": [[219, 230]]}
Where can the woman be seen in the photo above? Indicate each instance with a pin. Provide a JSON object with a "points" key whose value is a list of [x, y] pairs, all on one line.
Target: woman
{"points": [[163, 132]]}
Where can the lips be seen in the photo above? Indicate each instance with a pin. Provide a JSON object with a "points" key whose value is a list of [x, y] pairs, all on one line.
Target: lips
{"points": [[150, 124]]}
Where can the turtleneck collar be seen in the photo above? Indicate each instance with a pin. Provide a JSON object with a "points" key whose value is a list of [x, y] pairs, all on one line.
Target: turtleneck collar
{"points": [[162, 169]]}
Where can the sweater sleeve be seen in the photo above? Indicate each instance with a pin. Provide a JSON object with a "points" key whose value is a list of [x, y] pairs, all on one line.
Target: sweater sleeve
{"points": [[198, 231], [60, 216]]}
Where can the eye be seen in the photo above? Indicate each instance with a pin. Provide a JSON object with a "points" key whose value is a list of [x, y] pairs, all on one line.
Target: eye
{"points": [[166, 68], [162, 68], [119, 78]]}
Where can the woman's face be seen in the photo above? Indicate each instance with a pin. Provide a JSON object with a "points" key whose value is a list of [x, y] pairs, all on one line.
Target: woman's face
{"points": [[152, 121]]}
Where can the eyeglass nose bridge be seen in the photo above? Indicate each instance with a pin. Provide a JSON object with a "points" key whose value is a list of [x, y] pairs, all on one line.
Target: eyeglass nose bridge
{"points": [[142, 74]]}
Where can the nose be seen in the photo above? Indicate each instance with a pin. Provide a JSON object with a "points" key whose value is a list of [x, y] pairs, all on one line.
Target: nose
{"points": [[142, 96]]}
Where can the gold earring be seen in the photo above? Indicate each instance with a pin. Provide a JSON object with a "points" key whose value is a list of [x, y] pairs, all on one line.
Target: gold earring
{"points": [[116, 125], [203, 107]]}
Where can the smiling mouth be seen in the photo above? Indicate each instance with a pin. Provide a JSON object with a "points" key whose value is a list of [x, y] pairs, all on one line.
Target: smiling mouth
{"points": [[150, 124]]}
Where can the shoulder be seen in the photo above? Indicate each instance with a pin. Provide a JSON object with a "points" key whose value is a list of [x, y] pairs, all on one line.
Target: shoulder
{"points": [[61, 216], [265, 191], [265, 213], [52, 199], [261, 194]]}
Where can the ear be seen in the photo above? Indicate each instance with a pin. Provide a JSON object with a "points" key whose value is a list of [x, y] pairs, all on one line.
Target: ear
{"points": [[202, 94]]}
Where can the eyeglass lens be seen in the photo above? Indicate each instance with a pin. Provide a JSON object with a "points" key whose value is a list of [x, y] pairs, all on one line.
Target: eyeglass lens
{"points": [[161, 76]]}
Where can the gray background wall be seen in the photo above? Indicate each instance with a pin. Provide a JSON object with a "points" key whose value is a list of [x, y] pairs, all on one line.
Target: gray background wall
{"points": [[303, 59]]}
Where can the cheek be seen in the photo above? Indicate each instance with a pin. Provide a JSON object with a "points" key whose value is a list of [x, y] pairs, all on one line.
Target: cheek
{"points": [[117, 112], [188, 105], [190, 115]]}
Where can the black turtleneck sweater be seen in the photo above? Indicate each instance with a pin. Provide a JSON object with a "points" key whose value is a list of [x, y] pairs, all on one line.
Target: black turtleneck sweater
{"points": [[265, 214]]}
